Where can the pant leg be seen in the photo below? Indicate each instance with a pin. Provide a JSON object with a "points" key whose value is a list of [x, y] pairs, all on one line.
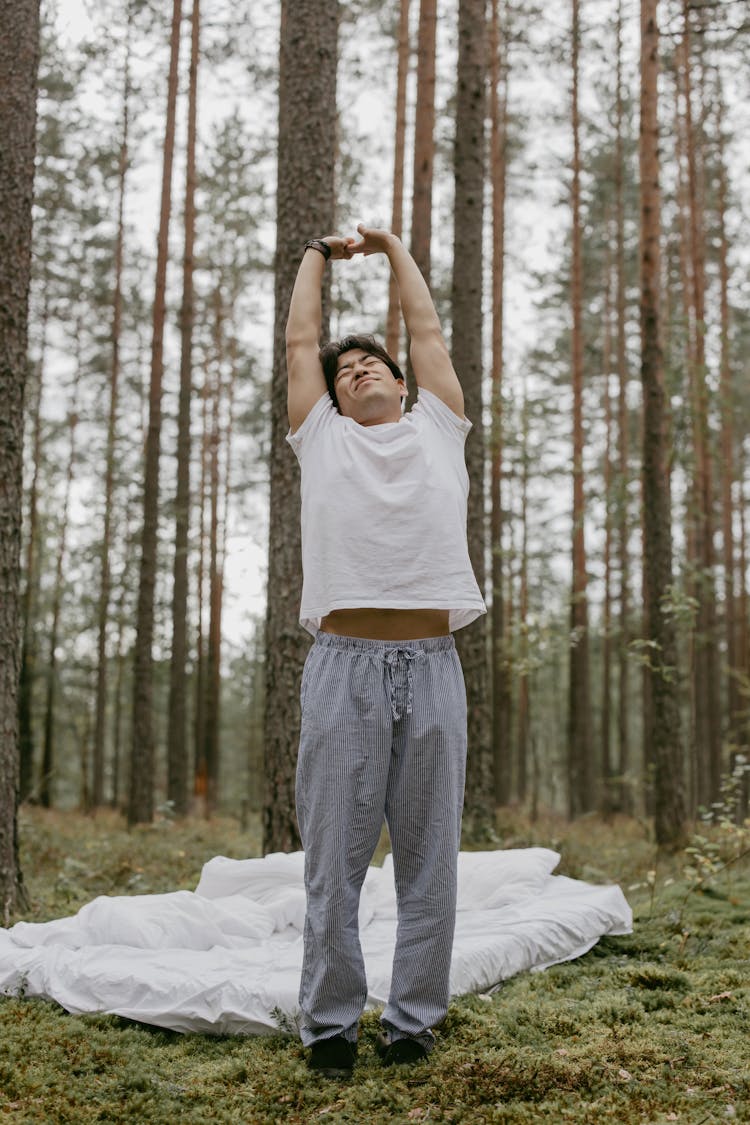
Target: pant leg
{"points": [[423, 810], [342, 773]]}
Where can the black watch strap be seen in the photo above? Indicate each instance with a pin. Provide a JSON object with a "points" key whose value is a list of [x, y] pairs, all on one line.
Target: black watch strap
{"points": [[320, 245]]}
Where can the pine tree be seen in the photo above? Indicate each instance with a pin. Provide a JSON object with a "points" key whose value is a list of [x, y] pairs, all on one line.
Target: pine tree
{"points": [[19, 58], [580, 787], [664, 714], [466, 348], [424, 139], [177, 758], [141, 799], [393, 321], [100, 704], [501, 693], [305, 208]]}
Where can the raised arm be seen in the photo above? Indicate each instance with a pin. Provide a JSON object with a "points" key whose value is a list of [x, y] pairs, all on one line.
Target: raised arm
{"points": [[306, 382], [430, 359]]}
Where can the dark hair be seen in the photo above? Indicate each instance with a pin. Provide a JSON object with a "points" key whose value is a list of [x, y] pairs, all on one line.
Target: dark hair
{"points": [[330, 352]]}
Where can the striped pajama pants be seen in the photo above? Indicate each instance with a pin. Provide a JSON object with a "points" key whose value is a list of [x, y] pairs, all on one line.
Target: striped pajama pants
{"points": [[383, 737]]}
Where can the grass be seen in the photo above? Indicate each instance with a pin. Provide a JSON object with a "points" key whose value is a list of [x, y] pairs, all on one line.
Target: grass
{"points": [[647, 1028]]}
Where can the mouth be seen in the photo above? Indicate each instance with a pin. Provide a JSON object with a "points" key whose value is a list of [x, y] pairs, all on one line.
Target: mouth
{"points": [[365, 379]]}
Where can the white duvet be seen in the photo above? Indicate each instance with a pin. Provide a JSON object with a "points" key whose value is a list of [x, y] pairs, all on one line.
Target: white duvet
{"points": [[226, 958]]}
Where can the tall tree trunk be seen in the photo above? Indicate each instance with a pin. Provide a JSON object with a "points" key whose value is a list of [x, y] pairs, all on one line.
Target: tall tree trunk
{"points": [[524, 712], [689, 365], [120, 660], [607, 790], [213, 651], [305, 207], [46, 783], [177, 755], [31, 586], [743, 631], [200, 781], [727, 442], [393, 323], [622, 797], [580, 788], [424, 138], [664, 713], [19, 58], [100, 705], [212, 681], [141, 801], [706, 673], [501, 695], [466, 303]]}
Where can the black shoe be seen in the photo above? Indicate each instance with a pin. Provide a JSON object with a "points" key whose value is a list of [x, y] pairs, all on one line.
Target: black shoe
{"points": [[401, 1052], [334, 1057]]}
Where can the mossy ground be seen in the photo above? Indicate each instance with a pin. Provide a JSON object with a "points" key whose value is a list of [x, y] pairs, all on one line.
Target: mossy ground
{"points": [[652, 1027]]}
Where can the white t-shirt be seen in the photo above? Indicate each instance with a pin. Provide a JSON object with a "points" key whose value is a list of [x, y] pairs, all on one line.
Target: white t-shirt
{"points": [[384, 513]]}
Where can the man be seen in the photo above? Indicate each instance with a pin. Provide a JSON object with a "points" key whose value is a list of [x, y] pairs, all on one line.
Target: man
{"points": [[387, 578]]}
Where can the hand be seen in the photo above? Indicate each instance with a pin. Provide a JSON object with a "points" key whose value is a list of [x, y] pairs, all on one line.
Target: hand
{"points": [[372, 241], [340, 247]]}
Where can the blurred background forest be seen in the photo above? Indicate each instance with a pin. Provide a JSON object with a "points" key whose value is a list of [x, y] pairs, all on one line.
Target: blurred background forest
{"points": [[149, 435]]}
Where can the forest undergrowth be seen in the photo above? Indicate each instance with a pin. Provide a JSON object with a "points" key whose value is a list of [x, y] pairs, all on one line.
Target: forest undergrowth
{"points": [[647, 1028]]}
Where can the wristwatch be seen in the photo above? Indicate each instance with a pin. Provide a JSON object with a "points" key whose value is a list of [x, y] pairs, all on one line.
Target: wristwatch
{"points": [[320, 245]]}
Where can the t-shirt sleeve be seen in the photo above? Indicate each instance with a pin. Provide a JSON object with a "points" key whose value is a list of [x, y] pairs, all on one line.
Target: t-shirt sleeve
{"points": [[432, 408], [316, 422]]}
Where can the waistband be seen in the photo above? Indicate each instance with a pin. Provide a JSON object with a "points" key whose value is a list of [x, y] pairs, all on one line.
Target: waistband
{"points": [[364, 644]]}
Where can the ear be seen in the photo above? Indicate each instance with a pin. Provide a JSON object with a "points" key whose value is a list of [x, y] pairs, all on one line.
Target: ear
{"points": [[402, 388]]}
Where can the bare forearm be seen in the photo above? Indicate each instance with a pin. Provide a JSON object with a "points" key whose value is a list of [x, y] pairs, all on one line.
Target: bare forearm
{"points": [[417, 306], [305, 308], [428, 351]]}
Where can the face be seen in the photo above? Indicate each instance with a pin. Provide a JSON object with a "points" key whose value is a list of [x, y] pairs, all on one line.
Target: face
{"points": [[366, 389]]}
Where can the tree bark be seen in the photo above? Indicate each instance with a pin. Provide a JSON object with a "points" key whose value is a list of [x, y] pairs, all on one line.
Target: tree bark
{"points": [[501, 692], [141, 800], [213, 650], [393, 323], [734, 700], [524, 676], [607, 790], [466, 303], [305, 208], [200, 780], [580, 771], [177, 755], [706, 677], [424, 139], [100, 704], [31, 587], [46, 783], [664, 712], [212, 676], [743, 629], [19, 59], [622, 796]]}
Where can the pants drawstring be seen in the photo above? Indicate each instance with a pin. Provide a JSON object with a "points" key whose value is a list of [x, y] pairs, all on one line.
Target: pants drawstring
{"points": [[405, 657]]}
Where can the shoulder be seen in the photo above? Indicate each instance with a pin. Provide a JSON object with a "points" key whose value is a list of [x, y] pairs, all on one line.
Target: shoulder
{"points": [[319, 419], [430, 409]]}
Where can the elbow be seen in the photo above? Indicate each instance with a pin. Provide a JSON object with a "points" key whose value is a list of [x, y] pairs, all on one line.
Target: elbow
{"points": [[300, 341]]}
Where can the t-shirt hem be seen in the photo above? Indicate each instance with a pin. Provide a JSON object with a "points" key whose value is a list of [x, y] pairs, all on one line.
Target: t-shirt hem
{"points": [[466, 611]]}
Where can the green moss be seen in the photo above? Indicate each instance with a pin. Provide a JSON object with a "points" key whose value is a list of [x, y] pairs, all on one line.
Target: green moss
{"points": [[650, 1027]]}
